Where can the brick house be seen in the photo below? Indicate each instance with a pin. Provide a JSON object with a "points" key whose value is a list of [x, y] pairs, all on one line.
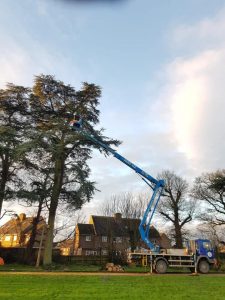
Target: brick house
{"points": [[16, 232], [104, 235], [65, 247], [221, 247]]}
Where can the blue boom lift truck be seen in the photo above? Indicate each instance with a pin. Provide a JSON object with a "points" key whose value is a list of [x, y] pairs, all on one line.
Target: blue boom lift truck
{"points": [[198, 255]]}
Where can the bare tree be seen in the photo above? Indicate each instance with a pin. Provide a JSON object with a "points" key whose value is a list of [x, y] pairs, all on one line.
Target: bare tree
{"points": [[175, 205], [131, 206], [128, 204], [7, 212], [210, 189], [66, 222], [212, 232]]}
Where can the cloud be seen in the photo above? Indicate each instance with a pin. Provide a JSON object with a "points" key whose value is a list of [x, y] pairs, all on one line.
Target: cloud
{"points": [[21, 61], [207, 33], [14, 64], [195, 95]]}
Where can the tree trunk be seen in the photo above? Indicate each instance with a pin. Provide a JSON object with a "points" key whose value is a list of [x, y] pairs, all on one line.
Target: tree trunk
{"points": [[58, 177], [178, 236], [29, 252], [1, 202], [49, 236], [5, 172]]}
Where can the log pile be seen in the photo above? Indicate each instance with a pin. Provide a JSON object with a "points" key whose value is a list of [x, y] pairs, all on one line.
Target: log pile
{"points": [[110, 267]]}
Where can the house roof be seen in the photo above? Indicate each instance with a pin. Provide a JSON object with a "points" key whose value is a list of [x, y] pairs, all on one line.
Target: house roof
{"points": [[163, 235], [118, 226], [65, 244], [18, 225], [85, 229]]}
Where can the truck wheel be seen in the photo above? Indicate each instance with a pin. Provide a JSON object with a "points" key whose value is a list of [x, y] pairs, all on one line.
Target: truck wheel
{"points": [[203, 267], [161, 266]]}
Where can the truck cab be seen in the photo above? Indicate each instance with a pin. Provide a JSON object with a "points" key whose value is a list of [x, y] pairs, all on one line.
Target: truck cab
{"points": [[201, 247], [204, 253], [205, 248]]}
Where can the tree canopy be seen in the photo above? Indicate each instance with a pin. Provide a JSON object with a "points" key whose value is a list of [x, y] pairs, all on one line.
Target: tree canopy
{"points": [[175, 206], [13, 124], [210, 189]]}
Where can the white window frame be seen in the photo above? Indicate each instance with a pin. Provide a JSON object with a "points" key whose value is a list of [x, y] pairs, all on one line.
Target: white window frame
{"points": [[91, 253], [88, 238], [104, 239], [119, 239], [104, 252], [7, 238]]}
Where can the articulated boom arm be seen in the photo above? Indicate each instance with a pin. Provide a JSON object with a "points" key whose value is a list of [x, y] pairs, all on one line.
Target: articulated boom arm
{"points": [[156, 185]]}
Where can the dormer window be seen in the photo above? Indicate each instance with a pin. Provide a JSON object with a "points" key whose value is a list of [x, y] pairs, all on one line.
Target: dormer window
{"points": [[27, 238], [104, 239], [118, 239], [88, 238], [7, 238]]}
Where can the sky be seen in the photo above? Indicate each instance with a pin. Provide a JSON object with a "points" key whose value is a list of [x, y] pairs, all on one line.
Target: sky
{"points": [[161, 68]]}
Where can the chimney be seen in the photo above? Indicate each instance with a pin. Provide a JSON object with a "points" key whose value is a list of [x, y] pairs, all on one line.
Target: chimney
{"points": [[22, 217], [117, 216]]}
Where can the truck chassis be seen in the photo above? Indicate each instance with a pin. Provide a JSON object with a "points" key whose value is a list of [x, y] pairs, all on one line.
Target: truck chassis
{"points": [[160, 262]]}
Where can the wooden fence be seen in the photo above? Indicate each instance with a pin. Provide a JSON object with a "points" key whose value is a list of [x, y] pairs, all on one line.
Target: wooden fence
{"points": [[82, 260]]}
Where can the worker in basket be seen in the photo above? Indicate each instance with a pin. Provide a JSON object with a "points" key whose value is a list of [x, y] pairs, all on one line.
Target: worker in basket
{"points": [[76, 122]]}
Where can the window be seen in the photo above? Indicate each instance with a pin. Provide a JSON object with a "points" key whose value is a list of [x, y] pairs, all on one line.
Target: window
{"points": [[104, 239], [15, 238], [27, 238], [7, 238], [118, 239], [65, 251], [207, 245], [88, 238], [90, 252], [104, 252]]}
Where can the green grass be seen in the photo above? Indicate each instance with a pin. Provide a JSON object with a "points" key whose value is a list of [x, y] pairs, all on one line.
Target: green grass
{"points": [[167, 287], [54, 267], [69, 268]]}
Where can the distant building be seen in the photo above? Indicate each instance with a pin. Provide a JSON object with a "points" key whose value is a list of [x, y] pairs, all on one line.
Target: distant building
{"points": [[104, 235], [65, 247], [221, 247], [16, 232]]}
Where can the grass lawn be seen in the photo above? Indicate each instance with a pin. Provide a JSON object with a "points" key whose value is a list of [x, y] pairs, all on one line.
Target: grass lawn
{"points": [[164, 287], [72, 268], [56, 267], [79, 268]]}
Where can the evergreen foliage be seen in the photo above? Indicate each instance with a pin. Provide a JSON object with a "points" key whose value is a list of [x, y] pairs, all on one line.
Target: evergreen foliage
{"points": [[13, 143]]}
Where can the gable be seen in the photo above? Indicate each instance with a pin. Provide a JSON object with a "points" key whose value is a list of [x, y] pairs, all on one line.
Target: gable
{"points": [[16, 226], [85, 229]]}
